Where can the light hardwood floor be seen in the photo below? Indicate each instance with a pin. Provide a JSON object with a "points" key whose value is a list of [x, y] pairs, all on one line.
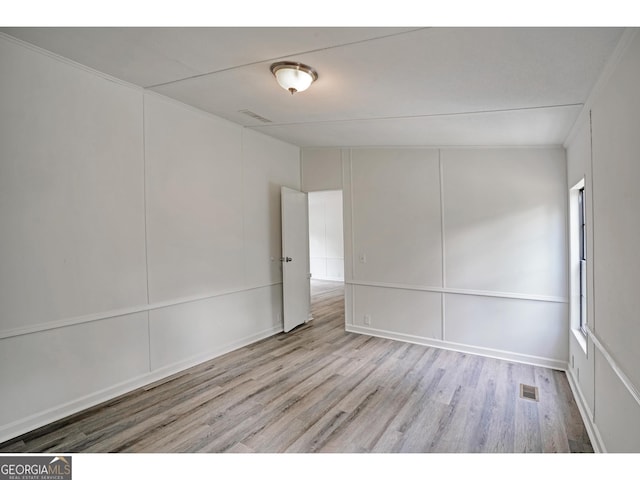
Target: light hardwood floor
{"points": [[320, 389]]}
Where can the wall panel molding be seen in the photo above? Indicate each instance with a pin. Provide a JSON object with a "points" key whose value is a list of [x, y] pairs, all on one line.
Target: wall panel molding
{"points": [[614, 366], [460, 291], [506, 196], [93, 317]]}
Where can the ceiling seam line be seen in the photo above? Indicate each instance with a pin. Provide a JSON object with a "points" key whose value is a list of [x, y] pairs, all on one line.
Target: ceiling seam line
{"points": [[477, 112], [163, 84]]}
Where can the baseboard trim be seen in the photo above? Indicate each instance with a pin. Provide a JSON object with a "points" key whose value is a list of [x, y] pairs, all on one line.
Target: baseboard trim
{"points": [[25, 425], [586, 414], [459, 347]]}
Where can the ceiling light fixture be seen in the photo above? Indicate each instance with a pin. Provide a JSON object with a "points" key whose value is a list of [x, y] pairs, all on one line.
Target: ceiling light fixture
{"points": [[293, 76]]}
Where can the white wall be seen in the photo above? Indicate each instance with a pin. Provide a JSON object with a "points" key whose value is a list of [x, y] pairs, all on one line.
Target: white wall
{"points": [[604, 148], [321, 169], [458, 248], [194, 202], [72, 182], [326, 245], [140, 236]]}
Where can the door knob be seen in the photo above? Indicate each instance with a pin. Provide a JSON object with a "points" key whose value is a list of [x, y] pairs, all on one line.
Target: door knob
{"points": [[286, 259]]}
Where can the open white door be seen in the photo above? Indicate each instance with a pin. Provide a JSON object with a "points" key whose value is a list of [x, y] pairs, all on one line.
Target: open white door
{"points": [[295, 258]]}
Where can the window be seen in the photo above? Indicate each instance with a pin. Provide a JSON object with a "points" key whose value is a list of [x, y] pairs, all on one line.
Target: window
{"points": [[582, 255], [578, 261]]}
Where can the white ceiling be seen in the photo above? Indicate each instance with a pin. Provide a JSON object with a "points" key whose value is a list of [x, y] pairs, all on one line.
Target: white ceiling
{"points": [[376, 86]]}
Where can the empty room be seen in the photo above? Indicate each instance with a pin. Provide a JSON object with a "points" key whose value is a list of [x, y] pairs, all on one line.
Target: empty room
{"points": [[323, 239]]}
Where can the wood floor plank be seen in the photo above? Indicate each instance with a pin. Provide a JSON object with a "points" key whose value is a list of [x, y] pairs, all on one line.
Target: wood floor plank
{"points": [[278, 432], [413, 400], [321, 389], [501, 431], [576, 433], [363, 435], [452, 430], [482, 407], [528, 433]]}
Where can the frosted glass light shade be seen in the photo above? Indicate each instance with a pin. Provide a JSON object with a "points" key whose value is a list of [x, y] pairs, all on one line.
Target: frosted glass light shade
{"points": [[290, 78], [293, 77]]}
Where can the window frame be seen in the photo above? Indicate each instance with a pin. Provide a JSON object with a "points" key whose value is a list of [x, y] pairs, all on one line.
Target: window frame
{"points": [[582, 258], [579, 264]]}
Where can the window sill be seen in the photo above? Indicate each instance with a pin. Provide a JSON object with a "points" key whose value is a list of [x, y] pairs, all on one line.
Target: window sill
{"points": [[581, 338]]}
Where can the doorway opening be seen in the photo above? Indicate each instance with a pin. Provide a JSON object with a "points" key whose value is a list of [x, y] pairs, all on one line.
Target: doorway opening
{"points": [[326, 251]]}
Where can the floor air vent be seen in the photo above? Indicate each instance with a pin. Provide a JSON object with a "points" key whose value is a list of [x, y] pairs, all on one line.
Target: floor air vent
{"points": [[529, 392]]}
